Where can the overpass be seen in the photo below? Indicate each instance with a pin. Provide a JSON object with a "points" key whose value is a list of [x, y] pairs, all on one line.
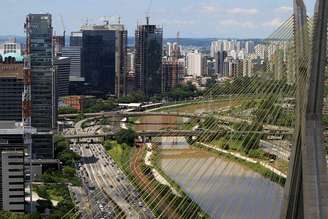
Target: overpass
{"points": [[132, 114]]}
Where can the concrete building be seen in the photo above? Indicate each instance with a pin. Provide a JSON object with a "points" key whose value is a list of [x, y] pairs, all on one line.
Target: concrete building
{"points": [[12, 192], [58, 45], [79, 102], [148, 61], [104, 50], [10, 47], [173, 73], [39, 33], [194, 64], [249, 47]]}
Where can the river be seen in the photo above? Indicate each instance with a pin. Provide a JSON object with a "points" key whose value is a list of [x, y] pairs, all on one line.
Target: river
{"points": [[221, 187]]}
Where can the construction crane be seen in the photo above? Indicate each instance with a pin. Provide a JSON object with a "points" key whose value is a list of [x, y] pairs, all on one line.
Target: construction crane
{"points": [[148, 11], [64, 28]]}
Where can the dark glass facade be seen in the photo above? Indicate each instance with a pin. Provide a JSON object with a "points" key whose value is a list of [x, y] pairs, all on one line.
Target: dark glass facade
{"points": [[39, 34], [148, 59], [98, 60], [11, 89]]}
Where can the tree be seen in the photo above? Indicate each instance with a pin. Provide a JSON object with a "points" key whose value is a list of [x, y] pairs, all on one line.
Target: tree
{"points": [[69, 171], [43, 205], [126, 136], [67, 110], [108, 145]]}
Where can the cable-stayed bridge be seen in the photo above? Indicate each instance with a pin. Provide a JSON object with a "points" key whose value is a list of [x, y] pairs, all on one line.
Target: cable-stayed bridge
{"points": [[218, 175]]}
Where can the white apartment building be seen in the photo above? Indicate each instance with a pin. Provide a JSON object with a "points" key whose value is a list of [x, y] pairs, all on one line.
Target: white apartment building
{"points": [[194, 64]]}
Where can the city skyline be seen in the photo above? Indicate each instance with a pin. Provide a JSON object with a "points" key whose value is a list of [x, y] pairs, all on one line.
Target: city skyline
{"points": [[223, 19]]}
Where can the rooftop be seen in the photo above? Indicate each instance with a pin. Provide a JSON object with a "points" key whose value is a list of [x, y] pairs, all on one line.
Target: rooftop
{"points": [[11, 128]]}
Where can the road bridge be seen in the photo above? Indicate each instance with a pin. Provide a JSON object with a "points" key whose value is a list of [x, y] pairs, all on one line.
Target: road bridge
{"points": [[132, 114]]}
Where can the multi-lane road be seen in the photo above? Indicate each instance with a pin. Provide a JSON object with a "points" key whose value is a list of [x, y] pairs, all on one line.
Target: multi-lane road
{"points": [[99, 171]]}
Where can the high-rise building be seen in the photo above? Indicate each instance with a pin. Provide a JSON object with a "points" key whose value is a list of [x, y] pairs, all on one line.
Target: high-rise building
{"points": [[249, 47], [10, 47], [173, 73], [11, 88], [58, 45], [39, 33], [216, 46], [194, 64], [75, 39], [148, 45], [219, 62], [62, 68], [104, 50], [74, 54], [12, 192]]}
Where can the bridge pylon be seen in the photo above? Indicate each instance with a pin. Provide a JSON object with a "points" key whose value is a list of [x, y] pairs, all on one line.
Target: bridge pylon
{"points": [[306, 189]]}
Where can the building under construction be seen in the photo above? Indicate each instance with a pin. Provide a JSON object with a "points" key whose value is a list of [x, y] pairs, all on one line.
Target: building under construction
{"points": [[148, 58], [172, 74]]}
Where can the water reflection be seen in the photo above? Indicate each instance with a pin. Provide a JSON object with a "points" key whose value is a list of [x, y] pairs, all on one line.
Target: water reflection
{"points": [[223, 188]]}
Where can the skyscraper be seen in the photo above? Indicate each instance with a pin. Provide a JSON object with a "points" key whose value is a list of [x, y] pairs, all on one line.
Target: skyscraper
{"points": [[173, 72], [58, 44], [149, 40], [11, 87], [104, 58], [39, 44], [219, 62], [62, 67], [12, 192], [194, 64]]}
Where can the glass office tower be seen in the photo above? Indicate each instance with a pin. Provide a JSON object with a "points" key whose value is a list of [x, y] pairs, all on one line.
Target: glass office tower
{"points": [[149, 40], [39, 40]]}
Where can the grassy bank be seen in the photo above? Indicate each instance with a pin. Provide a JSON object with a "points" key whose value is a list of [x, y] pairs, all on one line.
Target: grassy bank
{"points": [[255, 167], [123, 154]]}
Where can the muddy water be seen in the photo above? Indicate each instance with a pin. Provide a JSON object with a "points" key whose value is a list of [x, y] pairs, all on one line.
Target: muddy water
{"points": [[204, 107], [224, 189]]}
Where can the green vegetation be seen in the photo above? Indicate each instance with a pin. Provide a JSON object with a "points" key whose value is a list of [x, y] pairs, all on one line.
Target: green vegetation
{"points": [[126, 136], [55, 182], [135, 97], [119, 152], [269, 112], [255, 167], [182, 92], [10, 215], [56, 192], [67, 110], [101, 105]]}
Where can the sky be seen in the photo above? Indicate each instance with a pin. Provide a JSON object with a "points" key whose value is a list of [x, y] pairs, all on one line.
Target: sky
{"points": [[192, 18]]}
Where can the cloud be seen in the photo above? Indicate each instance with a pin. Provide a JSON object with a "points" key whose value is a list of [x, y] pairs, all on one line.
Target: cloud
{"points": [[237, 23], [274, 23], [284, 9], [178, 22], [209, 9], [242, 11]]}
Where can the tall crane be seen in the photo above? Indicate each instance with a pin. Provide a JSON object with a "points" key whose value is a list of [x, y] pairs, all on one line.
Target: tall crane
{"points": [[148, 11], [64, 28]]}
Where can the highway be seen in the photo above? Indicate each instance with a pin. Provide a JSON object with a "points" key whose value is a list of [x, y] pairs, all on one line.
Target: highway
{"points": [[100, 170]]}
